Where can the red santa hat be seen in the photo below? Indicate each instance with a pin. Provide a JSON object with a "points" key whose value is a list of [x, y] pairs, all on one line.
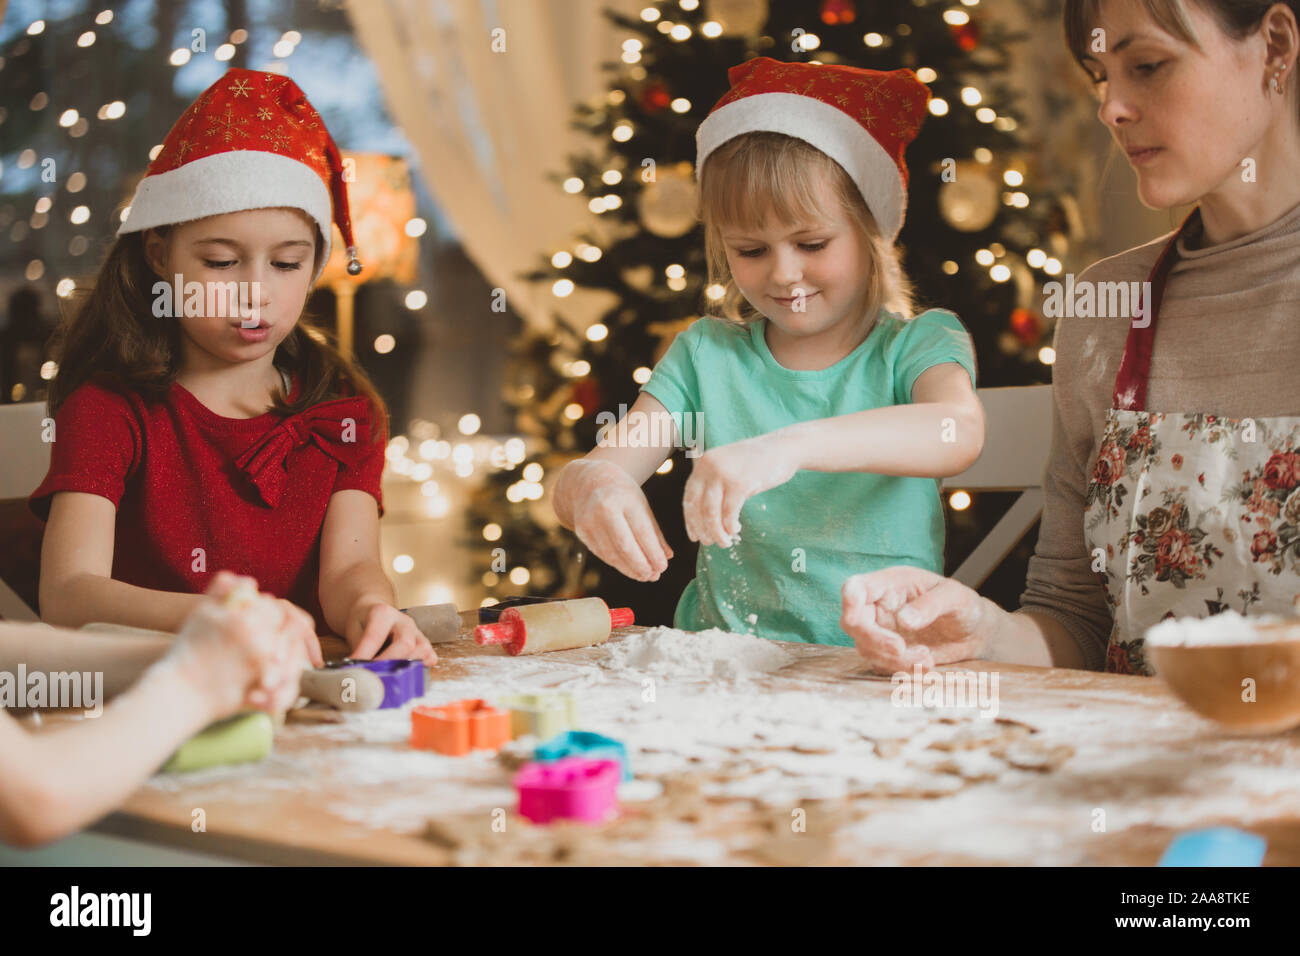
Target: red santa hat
{"points": [[250, 141], [862, 119]]}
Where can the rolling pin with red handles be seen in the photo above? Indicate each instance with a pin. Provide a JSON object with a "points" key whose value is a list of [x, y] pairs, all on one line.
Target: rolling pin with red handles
{"points": [[556, 626]]}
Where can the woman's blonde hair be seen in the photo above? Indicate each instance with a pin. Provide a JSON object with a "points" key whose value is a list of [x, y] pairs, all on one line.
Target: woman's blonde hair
{"points": [[757, 177]]}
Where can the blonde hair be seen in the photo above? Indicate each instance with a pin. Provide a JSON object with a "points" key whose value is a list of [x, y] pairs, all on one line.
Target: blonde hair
{"points": [[760, 176]]}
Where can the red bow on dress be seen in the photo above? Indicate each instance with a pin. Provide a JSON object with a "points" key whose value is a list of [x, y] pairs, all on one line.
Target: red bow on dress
{"points": [[340, 428]]}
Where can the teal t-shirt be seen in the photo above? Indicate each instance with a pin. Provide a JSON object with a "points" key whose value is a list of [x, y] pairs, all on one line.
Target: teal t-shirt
{"points": [[801, 540]]}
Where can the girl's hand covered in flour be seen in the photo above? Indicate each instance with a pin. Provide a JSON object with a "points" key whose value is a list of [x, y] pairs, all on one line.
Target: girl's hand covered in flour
{"points": [[723, 479], [612, 517]]}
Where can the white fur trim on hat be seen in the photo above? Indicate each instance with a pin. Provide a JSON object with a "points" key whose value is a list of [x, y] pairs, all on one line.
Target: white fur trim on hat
{"points": [[831, 130], [232, 181]]}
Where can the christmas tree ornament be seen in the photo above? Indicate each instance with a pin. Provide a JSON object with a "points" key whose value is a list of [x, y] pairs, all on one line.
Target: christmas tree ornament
{"points": [[862, 119], [587, 393], [654, 96], [966, 34], [970, 202], [250, 141], [1027, 326], [667, 206], [837, 12]]}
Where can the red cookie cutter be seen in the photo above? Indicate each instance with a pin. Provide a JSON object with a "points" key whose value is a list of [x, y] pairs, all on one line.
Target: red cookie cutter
{"points": [[459, 727]]}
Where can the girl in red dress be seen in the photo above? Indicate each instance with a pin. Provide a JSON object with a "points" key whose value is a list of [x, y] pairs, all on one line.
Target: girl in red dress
{"points": [[200, 423]]}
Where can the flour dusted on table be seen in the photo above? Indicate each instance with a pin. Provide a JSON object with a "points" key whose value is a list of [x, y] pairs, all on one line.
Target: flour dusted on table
{"points": [[714, 654], [1228, 627]]}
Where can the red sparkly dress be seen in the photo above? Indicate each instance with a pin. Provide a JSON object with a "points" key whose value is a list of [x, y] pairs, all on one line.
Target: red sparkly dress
{"points": [[197, 493]]}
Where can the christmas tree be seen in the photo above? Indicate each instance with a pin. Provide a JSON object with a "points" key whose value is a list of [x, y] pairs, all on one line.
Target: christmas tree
{"points": [[978, 240]]}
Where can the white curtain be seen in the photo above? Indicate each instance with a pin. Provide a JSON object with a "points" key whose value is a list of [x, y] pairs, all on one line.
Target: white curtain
{"points": [[489, 127]]}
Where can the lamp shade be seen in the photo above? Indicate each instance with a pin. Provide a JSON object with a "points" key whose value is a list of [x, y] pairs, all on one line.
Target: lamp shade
{"points": [[382, 203]]}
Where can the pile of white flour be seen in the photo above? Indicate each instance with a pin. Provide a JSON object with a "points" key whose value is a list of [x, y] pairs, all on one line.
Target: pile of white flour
{"points": [[714, 654], [1228, 627]]}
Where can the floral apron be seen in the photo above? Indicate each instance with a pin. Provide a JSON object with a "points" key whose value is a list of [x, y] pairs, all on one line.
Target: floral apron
{"points": [[1194, 513]]}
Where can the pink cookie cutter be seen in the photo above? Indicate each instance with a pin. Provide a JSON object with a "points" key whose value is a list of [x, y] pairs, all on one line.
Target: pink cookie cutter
{"points": [[574, 788]]}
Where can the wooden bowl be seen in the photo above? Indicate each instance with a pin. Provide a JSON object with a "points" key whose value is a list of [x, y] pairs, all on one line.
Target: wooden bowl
{"points": [[1211, 678]]}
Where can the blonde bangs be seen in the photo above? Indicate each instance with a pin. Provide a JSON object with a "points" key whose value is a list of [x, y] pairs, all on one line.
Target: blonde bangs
{"points": [[766, 179]]}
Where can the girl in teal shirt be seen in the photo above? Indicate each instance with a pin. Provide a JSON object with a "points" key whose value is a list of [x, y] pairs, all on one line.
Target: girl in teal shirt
{"points": [[819, 414]]}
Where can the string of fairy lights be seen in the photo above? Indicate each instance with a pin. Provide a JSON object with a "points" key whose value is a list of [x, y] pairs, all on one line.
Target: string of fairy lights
{"points": [[990, 258], [421, 454], [426, 452], [1001, 265], [77, 126]]}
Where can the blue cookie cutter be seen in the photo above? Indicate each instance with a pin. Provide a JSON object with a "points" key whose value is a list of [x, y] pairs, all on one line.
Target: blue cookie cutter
{"points": [[402, 680], [1217, 846], [584, 743]]}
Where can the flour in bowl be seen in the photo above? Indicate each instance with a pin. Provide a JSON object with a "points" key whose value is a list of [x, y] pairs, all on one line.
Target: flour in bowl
{"points": [[1226, 628], [714, 654]]}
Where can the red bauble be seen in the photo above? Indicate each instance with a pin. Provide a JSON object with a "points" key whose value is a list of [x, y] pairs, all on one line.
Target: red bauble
{"points": [[587, 393], [655, 97], [835, 12], [1027, 325], [967, 35]]}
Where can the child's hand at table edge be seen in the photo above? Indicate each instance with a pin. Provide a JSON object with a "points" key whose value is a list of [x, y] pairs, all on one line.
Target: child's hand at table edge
{"points": [[724, 478], [241, 655], [298, 622], [903, 616], [613, 519], [374, 621]]}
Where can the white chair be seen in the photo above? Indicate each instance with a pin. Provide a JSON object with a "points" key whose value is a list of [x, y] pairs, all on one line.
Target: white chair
{"points": [[1017, 441], [23, 464]]}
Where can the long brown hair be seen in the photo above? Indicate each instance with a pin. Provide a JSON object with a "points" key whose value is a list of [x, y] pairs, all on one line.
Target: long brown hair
{"points": [[112, 333]]}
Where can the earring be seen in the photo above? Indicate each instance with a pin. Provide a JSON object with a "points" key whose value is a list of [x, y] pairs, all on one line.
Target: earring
{"points": [[1277, 82]]}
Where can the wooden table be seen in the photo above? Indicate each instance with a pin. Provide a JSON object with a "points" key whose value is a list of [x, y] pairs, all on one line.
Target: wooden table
{"points": [[1130, 750]]}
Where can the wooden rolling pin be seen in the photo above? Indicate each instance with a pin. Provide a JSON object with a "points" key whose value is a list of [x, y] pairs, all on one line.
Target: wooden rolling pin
{"points": [[347, 688], [440, 623], [557, 626]]}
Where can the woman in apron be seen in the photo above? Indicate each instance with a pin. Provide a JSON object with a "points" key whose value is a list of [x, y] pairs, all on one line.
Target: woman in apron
{"points": [[1187, 505]]}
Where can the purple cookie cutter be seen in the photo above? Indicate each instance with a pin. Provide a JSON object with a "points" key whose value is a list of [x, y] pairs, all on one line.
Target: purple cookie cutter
{"points": [[402, 680]]}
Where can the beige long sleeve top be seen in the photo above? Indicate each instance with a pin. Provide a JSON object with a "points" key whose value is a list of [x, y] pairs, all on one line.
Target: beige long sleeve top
{"points": [[1227, 343]]}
